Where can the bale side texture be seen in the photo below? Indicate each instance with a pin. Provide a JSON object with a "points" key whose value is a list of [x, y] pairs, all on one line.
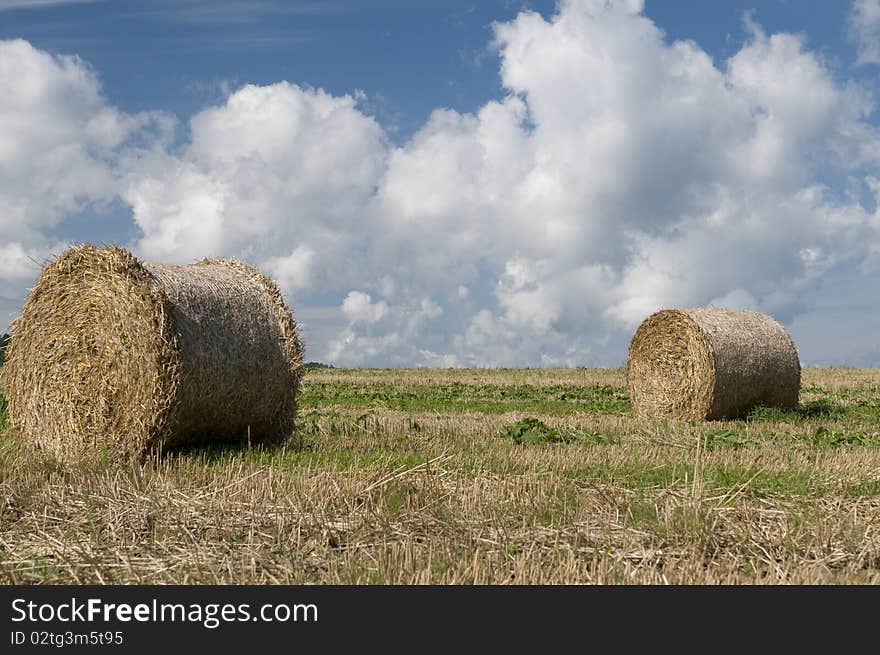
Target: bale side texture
{"points": [[711, 363], [115, 357]]}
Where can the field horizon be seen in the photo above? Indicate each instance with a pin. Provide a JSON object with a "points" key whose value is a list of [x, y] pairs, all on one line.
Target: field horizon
{"points": [[472, 476]]}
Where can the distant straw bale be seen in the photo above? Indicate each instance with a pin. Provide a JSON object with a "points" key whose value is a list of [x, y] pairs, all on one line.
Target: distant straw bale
{"points": [[115, 357], [711, 363]]}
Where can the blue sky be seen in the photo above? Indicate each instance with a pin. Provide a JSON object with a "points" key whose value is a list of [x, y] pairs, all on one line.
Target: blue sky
{"points": [[461, 183], [409, 57]]}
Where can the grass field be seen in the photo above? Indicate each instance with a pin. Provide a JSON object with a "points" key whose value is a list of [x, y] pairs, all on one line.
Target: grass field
{"points": [[474, 476]]}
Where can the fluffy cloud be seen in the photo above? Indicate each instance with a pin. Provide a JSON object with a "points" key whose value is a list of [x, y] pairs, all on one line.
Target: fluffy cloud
{"points": [[277, 173], [55, 128], [864, 26], [59, 152], [621, 173], [387, 335]]}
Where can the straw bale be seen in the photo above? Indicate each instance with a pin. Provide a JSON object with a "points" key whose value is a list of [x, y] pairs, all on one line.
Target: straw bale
{"points": [[711, 363], [116, 357]]}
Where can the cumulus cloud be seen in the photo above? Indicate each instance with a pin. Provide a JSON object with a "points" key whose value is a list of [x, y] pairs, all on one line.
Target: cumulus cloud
{"points": [[620, 173], [864, 30], [624, 173], [60, 144], [387, 335], [278, 173], [19, 266], [359, 306], [55, 127]]}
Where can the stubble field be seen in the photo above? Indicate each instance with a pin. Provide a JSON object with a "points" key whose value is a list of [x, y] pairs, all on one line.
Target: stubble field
{"points": [[473, 476]]}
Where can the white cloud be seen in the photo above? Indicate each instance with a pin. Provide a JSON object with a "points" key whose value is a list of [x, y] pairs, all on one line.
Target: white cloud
{"points": [[381, 334], [293, 271], [17, 264], [621, 173], [56, 134], [629, 174], [60, 148], [864, 30], [40, 4], [275, 173], [359, 306]]}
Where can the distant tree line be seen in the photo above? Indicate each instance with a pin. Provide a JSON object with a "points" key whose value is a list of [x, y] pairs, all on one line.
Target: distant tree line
{"points": [[317, 365]]}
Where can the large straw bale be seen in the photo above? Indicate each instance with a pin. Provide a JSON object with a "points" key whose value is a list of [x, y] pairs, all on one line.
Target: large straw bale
{"points": [[116, 357], [711, 363]]}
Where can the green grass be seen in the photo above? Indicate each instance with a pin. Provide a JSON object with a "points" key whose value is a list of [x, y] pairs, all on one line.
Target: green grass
{"points": [[861, 406], [533, 431], [829, 437], [727, 438], [460, 397], [867, 488], [641, 476], [823, 408]]}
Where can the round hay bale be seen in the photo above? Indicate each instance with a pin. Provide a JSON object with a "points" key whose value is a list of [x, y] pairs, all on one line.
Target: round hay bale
{"points": [[711, 363], [115, 357]]}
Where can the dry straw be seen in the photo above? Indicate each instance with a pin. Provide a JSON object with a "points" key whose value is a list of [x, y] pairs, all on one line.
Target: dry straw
{"points": [[711, 363], [116, 357]]}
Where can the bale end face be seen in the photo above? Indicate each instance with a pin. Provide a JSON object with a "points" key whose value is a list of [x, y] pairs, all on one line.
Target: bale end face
{"points": [[92, 366], [670, 367]]}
